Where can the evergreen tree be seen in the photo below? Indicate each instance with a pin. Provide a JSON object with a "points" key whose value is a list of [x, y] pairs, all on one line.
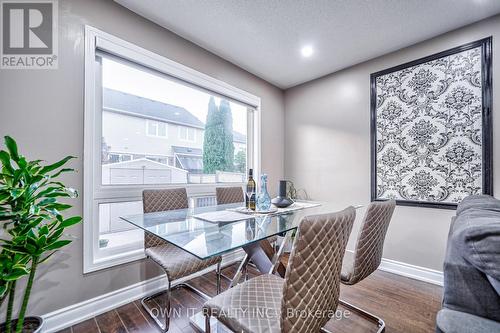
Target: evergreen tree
{"points": [[240, 161], [213, 142], [218, 147], [227, 118]]}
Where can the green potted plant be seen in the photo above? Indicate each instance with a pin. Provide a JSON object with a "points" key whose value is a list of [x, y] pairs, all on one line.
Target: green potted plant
{"points": [[31, 215]]}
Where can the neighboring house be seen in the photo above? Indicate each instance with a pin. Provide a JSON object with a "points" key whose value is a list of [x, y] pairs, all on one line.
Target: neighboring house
{"points": [[239, 142], [135, 127]]}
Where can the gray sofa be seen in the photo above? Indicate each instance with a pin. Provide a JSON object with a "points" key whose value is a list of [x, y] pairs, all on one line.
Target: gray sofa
{"points": [[471, 301]]}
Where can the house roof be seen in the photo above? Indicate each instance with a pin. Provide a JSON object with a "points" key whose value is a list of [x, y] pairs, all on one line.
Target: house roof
{"points": [[121, 102]]}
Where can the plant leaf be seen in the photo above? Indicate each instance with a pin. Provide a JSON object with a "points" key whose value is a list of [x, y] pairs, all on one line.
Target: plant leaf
{"points": [[57, 245], [7, 167], [62, 171], [42, 240], [51, 167], [15, 274], [56, 234], [71, 221], [12, 147], [46, 258]]}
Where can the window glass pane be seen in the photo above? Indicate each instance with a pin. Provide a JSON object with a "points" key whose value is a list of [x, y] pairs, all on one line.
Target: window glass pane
{"points": [[182, 132], [162, 129], [151, 127], [191, 133], [211, 140], [125, 158], [114, 233]]}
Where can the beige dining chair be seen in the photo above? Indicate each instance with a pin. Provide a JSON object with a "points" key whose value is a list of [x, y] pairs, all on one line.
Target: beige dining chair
{"points": [[229, 195], [176, 262], [368, 252], [269, 303]]}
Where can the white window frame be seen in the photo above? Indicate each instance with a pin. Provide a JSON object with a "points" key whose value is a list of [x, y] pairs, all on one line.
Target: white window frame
{"points": [[94, 192], [186, 139], [157, 127]]}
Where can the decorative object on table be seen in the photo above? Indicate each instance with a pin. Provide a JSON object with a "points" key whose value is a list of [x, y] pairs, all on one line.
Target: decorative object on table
{"points": [[281, 200], [294, 193], [250, 191], [30, 214], [245, 210], [297, 205], [222, 216], [431, 128], [263, 198]]}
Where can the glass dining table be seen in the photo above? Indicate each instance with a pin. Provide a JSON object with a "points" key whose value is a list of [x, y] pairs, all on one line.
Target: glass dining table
{"points": [[204, 239]]}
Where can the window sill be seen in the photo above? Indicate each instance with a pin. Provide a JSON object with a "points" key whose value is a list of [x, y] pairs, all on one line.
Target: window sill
{"points": [[110, 261]]}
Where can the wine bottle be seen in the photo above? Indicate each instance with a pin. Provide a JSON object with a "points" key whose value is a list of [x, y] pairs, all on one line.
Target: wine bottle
{"points": [[250, 197]]}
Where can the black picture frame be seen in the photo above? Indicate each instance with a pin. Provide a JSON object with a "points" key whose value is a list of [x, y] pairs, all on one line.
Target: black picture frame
{"points": [[487, 126]]}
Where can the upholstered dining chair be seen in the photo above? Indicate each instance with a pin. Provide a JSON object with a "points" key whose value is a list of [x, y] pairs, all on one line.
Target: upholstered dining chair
{"points": [[368, 251], [229, 195], [176, 262], [269, 303]]}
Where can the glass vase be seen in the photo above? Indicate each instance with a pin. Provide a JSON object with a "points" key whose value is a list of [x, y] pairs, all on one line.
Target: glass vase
{"points": [[263, 199]]}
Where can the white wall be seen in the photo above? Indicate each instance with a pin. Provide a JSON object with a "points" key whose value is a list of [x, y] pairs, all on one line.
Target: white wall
{"points": [[327, 150], [43, 110]]}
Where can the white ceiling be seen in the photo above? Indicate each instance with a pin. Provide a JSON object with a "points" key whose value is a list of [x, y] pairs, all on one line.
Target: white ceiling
{"points": [[265, 36]]}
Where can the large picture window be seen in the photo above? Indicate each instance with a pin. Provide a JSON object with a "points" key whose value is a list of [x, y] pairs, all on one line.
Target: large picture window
{"points": [[153, 123]]}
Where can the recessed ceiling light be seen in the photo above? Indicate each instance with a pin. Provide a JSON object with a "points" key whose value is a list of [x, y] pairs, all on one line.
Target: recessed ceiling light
{"points": [[307, 51]]}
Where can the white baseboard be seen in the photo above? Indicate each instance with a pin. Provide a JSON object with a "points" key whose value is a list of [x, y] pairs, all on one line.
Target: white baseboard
{"points": [[73, 314], [76, 313], [414, 272]]}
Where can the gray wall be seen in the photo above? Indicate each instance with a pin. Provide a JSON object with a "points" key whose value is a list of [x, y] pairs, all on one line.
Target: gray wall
{"points": [[327, 149], [43, 110]]}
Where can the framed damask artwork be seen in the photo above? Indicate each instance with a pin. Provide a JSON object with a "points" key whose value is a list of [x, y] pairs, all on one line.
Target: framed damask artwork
{"points": [[431, 130]]}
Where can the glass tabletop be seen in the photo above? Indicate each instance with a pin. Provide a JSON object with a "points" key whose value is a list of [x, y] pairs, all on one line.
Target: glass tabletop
{"points": [[206, 239]]}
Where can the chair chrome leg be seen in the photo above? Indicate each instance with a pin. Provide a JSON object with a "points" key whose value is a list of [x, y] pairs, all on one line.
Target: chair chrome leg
{"points": [[237, 276], [157, 316], [245, 273], [207, 323], [167, 310], [371, 317], [278, 254], [218, 272]]}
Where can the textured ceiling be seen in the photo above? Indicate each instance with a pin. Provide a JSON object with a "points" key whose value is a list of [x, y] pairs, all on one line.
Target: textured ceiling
{"points": [[265, 36]]}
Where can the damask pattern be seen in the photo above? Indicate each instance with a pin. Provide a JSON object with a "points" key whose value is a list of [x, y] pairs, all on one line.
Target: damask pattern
{"points": [[429, 130]]}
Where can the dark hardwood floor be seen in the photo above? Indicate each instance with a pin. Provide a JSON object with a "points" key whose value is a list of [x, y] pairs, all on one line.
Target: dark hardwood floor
{"points": [[406, 305]]}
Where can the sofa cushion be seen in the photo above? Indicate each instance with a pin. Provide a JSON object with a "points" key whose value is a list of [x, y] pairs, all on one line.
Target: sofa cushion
{"points": [[495, 283], [476, 232], [472, 261], [483, 201], [449, 321], [466, 288]]}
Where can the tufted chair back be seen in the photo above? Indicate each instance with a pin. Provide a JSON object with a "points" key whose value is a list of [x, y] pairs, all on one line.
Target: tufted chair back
{"points": [[370, 242], [159, 201], [312, 279], [229, 195]]}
